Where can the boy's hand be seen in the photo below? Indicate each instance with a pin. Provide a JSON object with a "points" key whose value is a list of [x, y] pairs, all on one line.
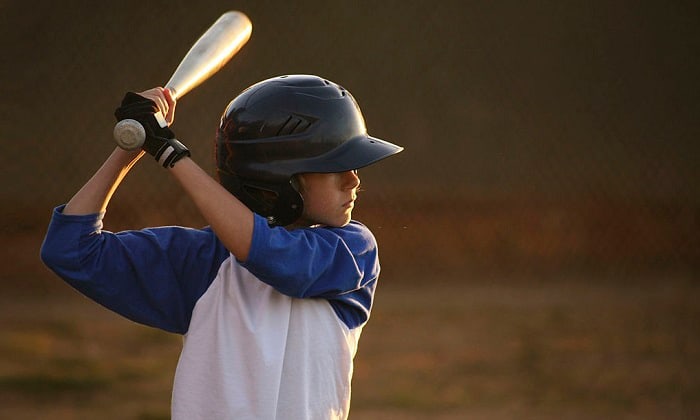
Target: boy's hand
{"points": [[148, 109], [164, 100]]}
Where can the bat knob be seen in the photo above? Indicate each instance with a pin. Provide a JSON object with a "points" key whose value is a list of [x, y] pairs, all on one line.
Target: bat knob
{"points": [[129, 134]]}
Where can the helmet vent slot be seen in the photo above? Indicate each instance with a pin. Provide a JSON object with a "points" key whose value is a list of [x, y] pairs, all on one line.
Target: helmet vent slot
{"points": [[293, 125]]}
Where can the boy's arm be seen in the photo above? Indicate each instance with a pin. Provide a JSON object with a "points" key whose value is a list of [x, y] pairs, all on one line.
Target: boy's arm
{"points": [[230, 219], [94, 196]]}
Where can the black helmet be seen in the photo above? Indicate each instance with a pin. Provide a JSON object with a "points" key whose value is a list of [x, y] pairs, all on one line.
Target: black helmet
{"points": [[285, 126]]}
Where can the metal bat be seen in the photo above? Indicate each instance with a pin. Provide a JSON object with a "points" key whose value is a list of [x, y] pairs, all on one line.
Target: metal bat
{"points": [[208, 54]]}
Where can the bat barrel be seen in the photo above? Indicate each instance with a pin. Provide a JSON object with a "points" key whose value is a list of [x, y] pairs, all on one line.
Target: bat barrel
{"points": [[211, 52], [208, 54]]}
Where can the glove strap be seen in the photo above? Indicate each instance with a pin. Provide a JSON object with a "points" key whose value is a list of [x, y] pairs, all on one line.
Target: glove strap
{"points": [[170, 152]]}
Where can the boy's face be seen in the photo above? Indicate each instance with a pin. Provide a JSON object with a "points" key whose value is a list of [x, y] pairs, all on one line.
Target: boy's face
{"points": [[328, 197]]}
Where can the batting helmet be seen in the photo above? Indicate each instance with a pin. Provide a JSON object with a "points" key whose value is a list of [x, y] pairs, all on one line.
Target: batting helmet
{"points": [[288, 125]]}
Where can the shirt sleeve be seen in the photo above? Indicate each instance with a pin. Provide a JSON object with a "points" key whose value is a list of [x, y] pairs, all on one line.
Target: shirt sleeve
{"points": [[151, 276], [337, 264]]}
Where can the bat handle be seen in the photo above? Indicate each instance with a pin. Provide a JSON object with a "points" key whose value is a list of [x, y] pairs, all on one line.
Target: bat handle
{"points": [[129, 134]]}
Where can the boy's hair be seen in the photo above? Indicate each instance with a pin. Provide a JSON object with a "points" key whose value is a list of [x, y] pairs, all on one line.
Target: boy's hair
{"points": [[285, 126]]}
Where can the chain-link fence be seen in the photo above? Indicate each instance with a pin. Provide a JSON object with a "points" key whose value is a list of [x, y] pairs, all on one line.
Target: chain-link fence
{"points": [[537, 139]]}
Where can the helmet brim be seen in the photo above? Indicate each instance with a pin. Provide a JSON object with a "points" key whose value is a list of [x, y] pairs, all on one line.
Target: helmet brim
{"points": [[355, 153]]}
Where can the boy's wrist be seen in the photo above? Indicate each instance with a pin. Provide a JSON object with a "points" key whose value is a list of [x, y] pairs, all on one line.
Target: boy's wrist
{"points": [[170, 152]]}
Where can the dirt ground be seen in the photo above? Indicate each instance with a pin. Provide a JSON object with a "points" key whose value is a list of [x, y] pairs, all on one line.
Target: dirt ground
{"points": [[485, 348]]}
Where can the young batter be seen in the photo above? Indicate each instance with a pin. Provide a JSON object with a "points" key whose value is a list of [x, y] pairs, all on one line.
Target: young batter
{"points": [[272, 296]]}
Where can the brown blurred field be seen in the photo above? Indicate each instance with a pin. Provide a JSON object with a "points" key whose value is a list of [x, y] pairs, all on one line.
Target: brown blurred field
{"points": [[492, 349]]}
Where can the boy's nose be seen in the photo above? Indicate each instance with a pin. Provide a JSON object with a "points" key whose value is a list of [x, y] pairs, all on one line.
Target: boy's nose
{"points": [[351, 180]]}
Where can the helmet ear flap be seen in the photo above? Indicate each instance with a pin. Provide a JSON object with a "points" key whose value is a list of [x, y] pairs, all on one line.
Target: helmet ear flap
{"points": [[281, 204], [288, 206]]}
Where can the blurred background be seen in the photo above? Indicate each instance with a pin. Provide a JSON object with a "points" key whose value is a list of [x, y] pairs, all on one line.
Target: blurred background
{"points": [[539, 234]]}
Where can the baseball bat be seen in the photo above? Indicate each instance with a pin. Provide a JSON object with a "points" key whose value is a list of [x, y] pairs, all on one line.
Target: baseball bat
{"points": [[214, 48]]}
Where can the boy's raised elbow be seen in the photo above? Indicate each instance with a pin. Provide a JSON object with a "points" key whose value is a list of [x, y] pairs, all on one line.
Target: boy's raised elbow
{"points": [[50, 255], [56, 255]]}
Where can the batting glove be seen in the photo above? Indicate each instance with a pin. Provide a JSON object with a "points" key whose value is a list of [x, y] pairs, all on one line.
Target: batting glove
{"points": [[160, 140]]}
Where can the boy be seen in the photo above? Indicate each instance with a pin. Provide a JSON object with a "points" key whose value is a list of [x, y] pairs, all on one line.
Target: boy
{"points": [[272, 296]]}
